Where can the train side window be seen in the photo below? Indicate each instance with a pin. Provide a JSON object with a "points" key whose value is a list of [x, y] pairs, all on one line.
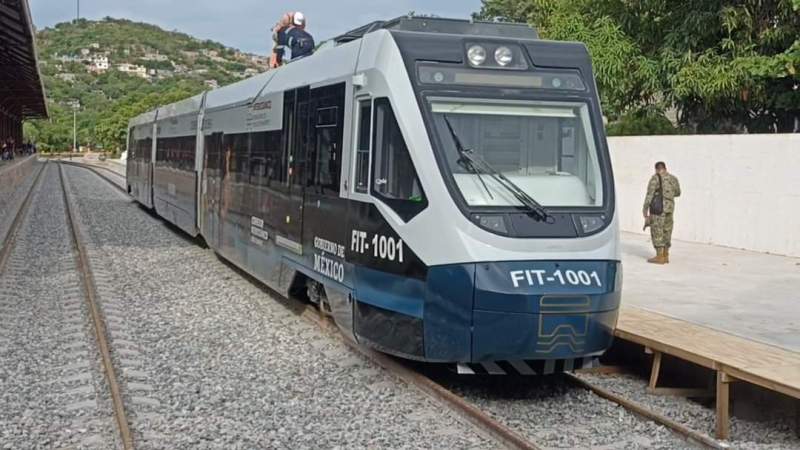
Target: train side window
{"points": [[327, 150], [212, 150], [362, 146], [394, 179]]}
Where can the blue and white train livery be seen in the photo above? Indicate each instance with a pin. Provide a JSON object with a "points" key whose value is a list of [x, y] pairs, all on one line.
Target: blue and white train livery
{"points": [[442, 188]]}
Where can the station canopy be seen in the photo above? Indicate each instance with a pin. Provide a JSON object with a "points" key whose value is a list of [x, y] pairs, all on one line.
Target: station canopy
{"points": [[21, 91]]}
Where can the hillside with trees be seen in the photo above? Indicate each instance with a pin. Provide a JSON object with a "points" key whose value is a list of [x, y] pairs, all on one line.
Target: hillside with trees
{"points": [[116, 69], [719, 66]]}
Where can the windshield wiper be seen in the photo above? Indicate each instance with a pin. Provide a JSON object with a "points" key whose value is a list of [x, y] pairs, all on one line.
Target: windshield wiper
{"points": [[479, 164], [465, 159]]}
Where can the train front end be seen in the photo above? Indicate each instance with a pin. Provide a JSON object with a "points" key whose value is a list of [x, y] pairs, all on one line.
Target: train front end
{"points": [[521, 236]]}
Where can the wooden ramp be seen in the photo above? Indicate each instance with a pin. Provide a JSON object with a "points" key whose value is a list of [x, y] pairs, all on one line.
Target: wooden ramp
{"points": [[732, 357]]}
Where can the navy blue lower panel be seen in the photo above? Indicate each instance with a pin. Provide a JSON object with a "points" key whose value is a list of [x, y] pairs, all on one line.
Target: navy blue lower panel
{"points": [[390, 331], [512, 336], [448, 312]]}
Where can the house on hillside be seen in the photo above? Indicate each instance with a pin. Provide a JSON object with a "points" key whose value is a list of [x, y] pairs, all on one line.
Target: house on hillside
{"points": [[155, 57], [67, 58], [99, 64], [213, 84], [94, 45], [133, 69], [259, 60], [68, 77], [162, 74], [209, 53], [85, 52]]}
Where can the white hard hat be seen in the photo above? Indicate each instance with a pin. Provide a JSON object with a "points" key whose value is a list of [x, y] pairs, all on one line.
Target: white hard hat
{"points": [[299, 19]]}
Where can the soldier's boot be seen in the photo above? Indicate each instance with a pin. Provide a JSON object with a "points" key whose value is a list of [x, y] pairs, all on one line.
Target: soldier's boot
{"points": [[659, 258], [666, 255]]}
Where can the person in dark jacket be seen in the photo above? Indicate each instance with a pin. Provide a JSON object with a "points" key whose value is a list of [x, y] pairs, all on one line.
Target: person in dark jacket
{"points": [[292, 42]]}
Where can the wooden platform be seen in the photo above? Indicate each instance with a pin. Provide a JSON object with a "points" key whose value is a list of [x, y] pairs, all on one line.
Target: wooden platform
{"points": [[733, 357]]}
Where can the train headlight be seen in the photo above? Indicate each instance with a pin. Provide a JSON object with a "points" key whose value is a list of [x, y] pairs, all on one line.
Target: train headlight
{"points": [[476, 55], [504, 56], [591, 224], [496, 224], [495, 55]]}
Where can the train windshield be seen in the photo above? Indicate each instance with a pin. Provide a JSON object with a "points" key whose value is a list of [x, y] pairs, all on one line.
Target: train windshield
{"points": [[545, 149]]}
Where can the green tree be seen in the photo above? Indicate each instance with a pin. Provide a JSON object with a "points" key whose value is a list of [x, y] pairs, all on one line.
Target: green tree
{"points": [[724, 65]]}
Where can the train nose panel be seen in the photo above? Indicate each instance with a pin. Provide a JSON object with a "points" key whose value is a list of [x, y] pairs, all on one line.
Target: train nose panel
{"points": [[549, 287], [544, 310]]}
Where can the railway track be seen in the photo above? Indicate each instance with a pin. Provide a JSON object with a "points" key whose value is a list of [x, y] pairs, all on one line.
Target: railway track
{"points": [[97, 319], [102, 172], [76, 387], [490, 423], [8, 244], [437, 388]]}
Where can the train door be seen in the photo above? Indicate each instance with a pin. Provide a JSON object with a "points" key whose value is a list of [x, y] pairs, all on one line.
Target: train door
{"points": [[325, 212], [295, 137], [151, 198], [211, 194]]}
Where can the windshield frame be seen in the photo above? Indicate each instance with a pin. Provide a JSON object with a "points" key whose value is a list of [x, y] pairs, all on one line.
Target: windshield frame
{"points": [[437, 136], [566, 223]]}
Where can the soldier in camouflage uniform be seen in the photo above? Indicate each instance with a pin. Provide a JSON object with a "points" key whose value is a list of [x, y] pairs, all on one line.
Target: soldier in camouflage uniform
{"points": [[661, 224]]}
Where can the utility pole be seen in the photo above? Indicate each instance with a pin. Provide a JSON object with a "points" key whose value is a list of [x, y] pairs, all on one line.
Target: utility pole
{"points": [[75, 105], [74, 130], [78, 15]]}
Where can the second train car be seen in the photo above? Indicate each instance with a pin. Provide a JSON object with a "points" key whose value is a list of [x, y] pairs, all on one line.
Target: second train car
{"points": [[442, 188]]}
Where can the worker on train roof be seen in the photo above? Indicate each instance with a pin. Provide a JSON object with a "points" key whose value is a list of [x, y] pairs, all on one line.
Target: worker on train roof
{"points": [[291, 40]]}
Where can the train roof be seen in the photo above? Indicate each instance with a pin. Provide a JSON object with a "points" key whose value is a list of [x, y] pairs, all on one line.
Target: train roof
{"points": [[443, 26], [240, 92], [190, 105], [340, 61], [143, 118]]}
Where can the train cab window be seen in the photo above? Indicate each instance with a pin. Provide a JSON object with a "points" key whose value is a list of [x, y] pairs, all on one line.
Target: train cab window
{"points": [[362, 146], [395, 179]]}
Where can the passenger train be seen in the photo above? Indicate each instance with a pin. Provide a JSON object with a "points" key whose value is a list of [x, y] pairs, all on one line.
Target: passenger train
{"points": [[442, 188]]}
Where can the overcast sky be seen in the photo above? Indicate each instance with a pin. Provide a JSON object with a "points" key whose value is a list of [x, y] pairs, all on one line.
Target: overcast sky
{"points": [[244, 24]]}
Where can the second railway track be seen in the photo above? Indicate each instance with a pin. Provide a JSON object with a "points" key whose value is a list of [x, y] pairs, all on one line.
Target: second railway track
{"points": [[58, 385]]}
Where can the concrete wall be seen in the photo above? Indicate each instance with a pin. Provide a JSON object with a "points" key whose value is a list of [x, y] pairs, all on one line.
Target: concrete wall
{"points": [[740, 191], [12, 173]]}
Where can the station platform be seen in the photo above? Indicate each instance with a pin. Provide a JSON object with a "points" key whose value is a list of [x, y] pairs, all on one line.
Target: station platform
{"points": [[733, 311]]}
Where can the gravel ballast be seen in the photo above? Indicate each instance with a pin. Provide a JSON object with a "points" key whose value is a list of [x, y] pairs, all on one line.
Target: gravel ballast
{"points": [[772, 433], [12, 201], [52, 391], [211, 361], [555, 413]]}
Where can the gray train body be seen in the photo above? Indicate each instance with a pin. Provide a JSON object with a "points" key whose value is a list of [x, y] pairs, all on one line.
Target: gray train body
{"points": [[389, 177]]}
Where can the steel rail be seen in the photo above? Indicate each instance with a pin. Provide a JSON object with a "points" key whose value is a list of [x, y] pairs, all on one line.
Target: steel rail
{"points": [[459, 405], [87, 279], [11, 236], [94, 168], [642, 411]]}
